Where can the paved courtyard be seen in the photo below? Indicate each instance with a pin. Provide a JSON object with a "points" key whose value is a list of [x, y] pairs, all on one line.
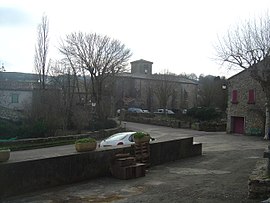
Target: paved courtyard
{"points": [[219, 175]]}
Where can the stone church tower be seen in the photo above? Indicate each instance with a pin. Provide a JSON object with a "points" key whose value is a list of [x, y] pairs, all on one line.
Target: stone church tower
{"points": [[141, 67]]}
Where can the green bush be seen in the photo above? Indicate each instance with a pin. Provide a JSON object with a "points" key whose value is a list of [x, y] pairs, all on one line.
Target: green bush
{"points": [[8, 129], [102, 124], [212, 126], [36, 129], [139, 135], [85, 140], [204, 113]]}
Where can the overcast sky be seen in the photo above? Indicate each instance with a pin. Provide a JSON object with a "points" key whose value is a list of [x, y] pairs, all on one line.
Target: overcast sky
{"points": [[175, 35]]}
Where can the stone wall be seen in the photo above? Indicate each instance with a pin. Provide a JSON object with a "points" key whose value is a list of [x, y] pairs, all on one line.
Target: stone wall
{"points": [[210, 126], [140, 90], [24, 99], [10, 114], [259, 182], [161, 122], [28, 175]]}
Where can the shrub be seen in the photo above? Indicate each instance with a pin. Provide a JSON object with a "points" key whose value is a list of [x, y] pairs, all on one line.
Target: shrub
{"points": [[85, 140], [37, 129], [103, 124], [139, 135], [212, 126], [204, 113], [8, 129]]}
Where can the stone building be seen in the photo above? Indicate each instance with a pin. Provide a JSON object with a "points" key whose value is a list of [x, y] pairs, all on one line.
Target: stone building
{"points": [[16, 92], [136, 89], [15, 95], [246, 105], [16, 89], [133, 89]]}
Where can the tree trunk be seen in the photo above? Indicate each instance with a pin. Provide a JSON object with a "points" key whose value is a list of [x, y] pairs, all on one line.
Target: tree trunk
{"points": [[267, 121]]}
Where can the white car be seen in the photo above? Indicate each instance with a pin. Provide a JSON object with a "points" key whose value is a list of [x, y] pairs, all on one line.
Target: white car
{"points": [[135, 110], [161, 111], [123, 138], [145, 111]]}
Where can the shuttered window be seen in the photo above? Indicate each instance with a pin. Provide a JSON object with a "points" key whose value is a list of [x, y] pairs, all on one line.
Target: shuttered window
{"points": [[251, 97], [14, 98], [234, 97]]}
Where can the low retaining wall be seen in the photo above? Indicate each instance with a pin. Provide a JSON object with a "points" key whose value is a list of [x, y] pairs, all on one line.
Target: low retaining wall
{"points": [[174, 149], [168, 123], [203, 126], [29, 175]]}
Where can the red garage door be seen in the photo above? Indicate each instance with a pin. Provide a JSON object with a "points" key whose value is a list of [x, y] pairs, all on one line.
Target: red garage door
{"points": [[238, 125]]}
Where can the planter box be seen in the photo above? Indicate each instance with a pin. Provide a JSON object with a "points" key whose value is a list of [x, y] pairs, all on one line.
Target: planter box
{"points": [[4, 155], [83, 147], [142, 140]]}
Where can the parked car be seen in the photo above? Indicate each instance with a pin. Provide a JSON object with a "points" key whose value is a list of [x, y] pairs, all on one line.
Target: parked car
{"points": [[123, 138], [118, 111], [161, 111], [145, 111], [135, 110]]}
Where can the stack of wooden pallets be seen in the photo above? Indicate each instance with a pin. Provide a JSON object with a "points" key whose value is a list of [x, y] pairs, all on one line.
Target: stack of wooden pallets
{"points": [[142, 153], [125, 167]]}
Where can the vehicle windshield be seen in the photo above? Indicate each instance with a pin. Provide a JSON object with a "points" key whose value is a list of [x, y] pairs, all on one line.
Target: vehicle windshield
{"points": [[119, 136]]}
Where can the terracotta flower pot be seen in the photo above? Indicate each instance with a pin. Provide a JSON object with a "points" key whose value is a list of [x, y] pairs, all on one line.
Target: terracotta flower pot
{"points": [[4, 155], [88, 146]]}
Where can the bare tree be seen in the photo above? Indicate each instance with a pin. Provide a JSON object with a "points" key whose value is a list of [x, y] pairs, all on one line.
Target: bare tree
{"points": [[164, 88], [101, 56], [191, 76], [67, 77], [211, 93], [248, 46], [63, 79], [41, 51]]}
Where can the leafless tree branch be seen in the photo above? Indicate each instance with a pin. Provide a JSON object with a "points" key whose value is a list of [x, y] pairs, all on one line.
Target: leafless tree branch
{"points": [[41, 51], [101, 56]]}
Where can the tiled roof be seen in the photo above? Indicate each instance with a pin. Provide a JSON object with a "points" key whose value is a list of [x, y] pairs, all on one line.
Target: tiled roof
{"points": [[17, 85], [157, 77], [141, 60]]}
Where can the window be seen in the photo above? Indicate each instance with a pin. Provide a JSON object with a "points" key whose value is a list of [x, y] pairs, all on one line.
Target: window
{"points": [[234, 97], [14, 98], [251, 97]]}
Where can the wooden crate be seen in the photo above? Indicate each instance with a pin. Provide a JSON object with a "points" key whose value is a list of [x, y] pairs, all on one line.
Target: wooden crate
{"points": [[142, 153], [121, 162], [129, 172]]}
